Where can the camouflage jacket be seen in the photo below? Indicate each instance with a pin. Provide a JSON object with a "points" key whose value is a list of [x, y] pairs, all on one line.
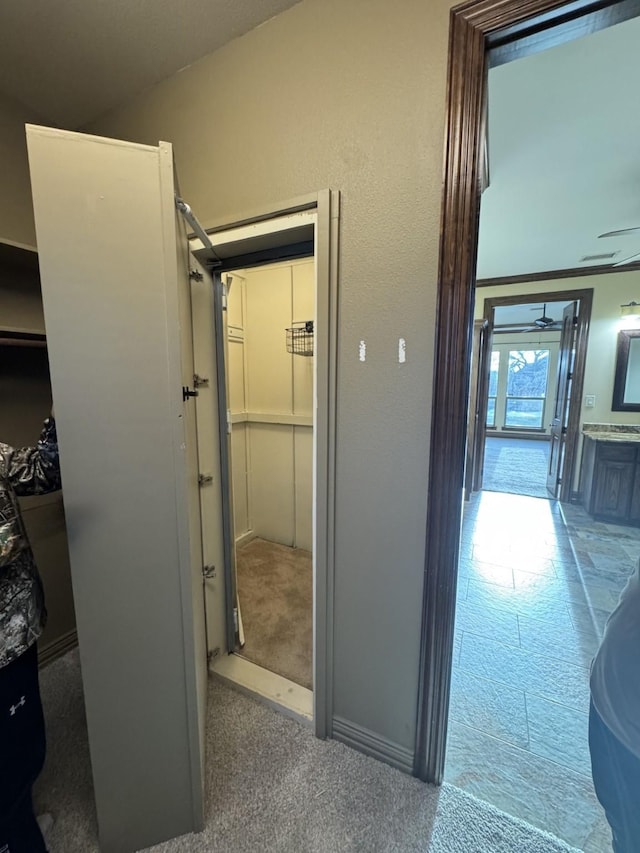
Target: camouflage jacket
{"points": [[28, 471]]}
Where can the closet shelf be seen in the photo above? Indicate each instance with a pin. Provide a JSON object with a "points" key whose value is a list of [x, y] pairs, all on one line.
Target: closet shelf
{"points": [[22, 339]]}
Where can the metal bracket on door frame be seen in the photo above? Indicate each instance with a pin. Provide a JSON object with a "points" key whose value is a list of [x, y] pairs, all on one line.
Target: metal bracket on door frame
{"points": [[188, 392]]}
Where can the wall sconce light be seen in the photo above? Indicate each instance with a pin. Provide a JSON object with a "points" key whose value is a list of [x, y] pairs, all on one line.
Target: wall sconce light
{"points": [[630, 309]]}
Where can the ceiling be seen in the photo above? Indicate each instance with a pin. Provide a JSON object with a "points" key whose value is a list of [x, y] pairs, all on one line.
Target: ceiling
{"points": [[70, 61], [564, 126], [525, 313], [564, 156]]}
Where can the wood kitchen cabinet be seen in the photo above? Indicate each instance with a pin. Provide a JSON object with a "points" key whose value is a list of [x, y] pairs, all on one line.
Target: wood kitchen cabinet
{"points": [[611, 480]]}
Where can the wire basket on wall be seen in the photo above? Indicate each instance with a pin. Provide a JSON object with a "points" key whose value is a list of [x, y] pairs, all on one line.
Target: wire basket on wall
{"points": [[300, 338]]}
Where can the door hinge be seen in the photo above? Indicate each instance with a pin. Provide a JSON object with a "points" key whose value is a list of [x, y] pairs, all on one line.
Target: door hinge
{"points": [[564, 430], [188, 392], [195, 275], [235, 619], [200, 381], [205, 479], [209, 572], [223, 288], [228, 422]]}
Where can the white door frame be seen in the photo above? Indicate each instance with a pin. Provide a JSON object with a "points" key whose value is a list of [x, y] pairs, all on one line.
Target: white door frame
{"points": [[323, 206]]}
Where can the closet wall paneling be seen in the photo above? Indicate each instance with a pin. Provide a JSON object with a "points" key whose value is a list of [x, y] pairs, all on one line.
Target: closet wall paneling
{"points": [[273, 435]]}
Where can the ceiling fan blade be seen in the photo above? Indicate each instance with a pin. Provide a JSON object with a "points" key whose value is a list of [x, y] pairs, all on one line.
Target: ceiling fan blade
{"points": [[620, 233], [627, 260]]}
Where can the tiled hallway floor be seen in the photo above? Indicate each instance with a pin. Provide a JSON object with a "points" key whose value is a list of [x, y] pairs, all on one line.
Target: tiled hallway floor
{"points": [[537, 582]]}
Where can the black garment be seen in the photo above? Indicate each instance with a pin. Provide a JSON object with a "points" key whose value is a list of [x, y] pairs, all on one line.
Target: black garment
{"points": [[22, 750], [616, 778]]}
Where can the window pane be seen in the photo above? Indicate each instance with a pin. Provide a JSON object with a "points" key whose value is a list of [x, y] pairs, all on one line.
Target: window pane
{"points": [[527, 375], [491, 412], [493, 375], [524, 413]]}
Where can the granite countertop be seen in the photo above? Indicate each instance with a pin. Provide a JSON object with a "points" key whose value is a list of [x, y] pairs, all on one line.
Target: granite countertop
{"points": [[612, 432], [613, 436]]}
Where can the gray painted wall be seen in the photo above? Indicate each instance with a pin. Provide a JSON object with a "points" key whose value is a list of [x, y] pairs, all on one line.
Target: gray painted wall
{"points": [[348, 94], [16, 211]]}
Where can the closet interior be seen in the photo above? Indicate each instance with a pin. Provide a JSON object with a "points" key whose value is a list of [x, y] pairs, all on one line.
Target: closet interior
{"points": [[25, 401], [270, 383]]}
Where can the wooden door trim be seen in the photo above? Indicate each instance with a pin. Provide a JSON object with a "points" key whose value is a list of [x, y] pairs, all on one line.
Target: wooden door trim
{"points": [[555, 275], [474, 26]]}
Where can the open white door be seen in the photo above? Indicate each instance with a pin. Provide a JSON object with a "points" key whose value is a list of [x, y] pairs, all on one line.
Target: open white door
{"points": [[235, 633], [215, 498], [116, 292]]}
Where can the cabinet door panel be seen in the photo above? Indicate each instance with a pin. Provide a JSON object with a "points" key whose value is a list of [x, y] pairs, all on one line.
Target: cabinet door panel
{"points": [[617, 452], [612, 495]]}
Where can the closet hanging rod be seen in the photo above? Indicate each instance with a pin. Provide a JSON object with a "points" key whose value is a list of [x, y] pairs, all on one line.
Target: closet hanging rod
{"points": [[198, 230]]}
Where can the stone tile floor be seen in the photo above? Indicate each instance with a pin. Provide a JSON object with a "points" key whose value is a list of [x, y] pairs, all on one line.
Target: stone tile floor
{"points": [[537, 581]]}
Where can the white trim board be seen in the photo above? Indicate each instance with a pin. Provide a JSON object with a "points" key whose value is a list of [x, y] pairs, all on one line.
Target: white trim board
{"points": [[245, 538], [255, 229], [279, 693], [268, 418]]}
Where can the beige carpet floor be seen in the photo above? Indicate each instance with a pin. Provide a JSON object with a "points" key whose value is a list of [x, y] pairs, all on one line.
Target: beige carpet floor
{"points": [[275, 588], [272, 787]]}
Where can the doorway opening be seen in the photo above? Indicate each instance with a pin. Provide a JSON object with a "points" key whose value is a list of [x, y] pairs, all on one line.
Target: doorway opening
{"points": [[265, 334], [527, 376], [505, 671], [269, 389]]}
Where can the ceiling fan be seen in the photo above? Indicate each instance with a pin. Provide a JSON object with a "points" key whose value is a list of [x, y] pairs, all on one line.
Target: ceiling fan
{"points": [[543, 322], [540, 324], [623, 232]]}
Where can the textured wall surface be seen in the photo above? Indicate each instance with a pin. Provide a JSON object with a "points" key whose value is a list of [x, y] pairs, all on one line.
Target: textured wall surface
{"points": [[347, 94], [16, 211]]}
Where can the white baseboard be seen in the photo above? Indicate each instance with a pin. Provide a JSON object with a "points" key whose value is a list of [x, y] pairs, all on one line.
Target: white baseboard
{"points": [[245, 538], [372, 744]]}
